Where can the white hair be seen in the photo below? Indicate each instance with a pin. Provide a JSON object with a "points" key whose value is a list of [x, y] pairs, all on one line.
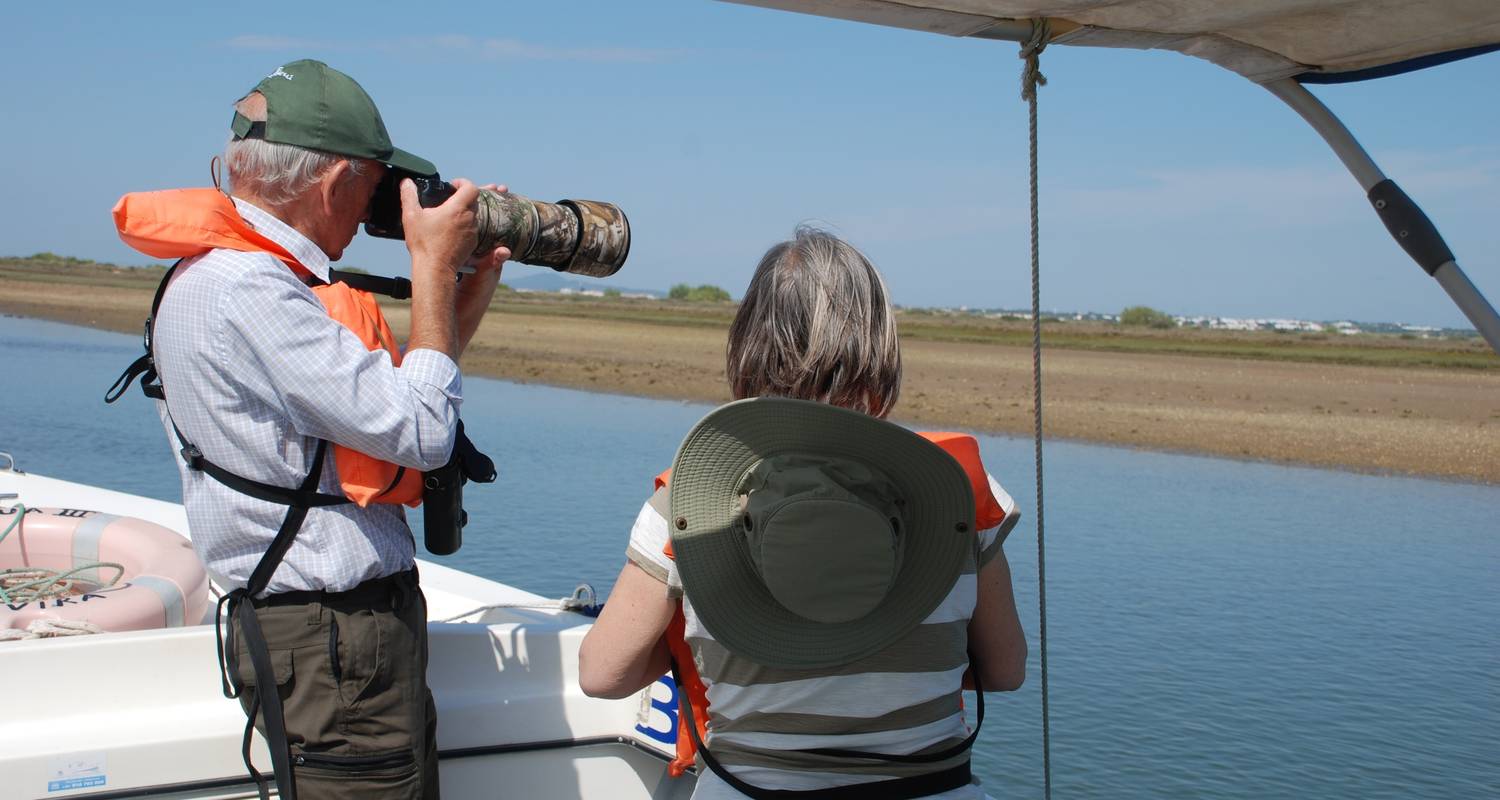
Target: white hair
{"points": [[278, 173], [274, 172]]}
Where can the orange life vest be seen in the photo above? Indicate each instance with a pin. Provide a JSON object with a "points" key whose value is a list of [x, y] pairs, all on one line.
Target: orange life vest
{"points": [[180, 223], [988, 513]]}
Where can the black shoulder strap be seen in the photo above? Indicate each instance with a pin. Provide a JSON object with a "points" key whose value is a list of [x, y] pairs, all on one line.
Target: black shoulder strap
{"points": [[241, 606], [145, 369], [305, 496], [145, 366], [239, 602], [908, 788], [395, 288]]}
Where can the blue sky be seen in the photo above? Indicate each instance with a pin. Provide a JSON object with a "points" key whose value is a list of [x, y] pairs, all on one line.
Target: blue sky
{"points": [[1165, 180]]}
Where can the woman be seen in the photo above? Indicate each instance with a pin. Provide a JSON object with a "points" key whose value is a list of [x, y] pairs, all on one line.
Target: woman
{"points": [[817, 648]]}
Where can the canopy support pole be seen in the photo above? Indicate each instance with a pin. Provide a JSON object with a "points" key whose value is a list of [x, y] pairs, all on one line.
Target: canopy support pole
{"points": [[1402, 217]]}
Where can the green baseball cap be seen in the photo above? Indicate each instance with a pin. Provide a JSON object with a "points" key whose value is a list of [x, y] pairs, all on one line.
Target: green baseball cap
{"points": [[310, 104]]}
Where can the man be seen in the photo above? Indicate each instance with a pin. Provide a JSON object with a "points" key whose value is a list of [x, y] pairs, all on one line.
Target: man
{"points": [[258, 378]]}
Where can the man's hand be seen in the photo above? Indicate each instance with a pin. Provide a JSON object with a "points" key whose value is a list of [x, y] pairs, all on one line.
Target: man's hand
{"points": [[439, 239], [485, 264], [478, 288]]}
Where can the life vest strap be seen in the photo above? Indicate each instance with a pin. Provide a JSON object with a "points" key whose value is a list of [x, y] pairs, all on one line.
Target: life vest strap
{"points": [[267, 694], [394, 288], [270, 493], [908, 788], [145, 366], [236, 604]]}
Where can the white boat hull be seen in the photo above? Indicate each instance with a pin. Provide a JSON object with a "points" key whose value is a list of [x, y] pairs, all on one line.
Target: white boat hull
{"points": [[142, 713]]}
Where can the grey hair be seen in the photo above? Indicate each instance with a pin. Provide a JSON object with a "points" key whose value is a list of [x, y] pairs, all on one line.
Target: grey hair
{"points": [[274, 172], [816, 324]]}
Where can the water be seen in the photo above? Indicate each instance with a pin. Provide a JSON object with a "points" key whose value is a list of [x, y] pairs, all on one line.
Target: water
{"points": [[1218, 629]]}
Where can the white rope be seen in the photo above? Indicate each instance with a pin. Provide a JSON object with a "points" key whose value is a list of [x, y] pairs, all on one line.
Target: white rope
{"points": [[50, 629], [582, 600], [20, 585]]}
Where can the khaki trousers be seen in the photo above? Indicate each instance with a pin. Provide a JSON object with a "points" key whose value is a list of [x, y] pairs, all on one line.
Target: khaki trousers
{"points": [[351, 668]]}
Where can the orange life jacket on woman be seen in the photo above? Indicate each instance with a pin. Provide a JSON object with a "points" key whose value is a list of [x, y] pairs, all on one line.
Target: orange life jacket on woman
{"points": [[988, 513], [181, 223]]}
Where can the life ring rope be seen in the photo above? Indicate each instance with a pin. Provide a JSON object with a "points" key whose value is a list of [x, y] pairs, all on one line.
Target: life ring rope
{"points": [[30, 584]]}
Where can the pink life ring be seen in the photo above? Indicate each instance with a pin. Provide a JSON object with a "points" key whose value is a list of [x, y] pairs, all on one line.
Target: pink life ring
{"points": [[164, 585]]}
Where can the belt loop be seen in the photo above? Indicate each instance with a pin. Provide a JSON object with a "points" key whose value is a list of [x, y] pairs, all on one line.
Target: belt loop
{"points": [[315, 609]]}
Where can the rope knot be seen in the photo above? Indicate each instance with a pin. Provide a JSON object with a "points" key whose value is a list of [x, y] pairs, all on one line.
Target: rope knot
{"points": [[1031, 49]]}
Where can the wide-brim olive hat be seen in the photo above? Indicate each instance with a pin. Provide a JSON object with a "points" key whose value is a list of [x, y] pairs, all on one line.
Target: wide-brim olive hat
{"points": [[809, 536], [310, 104]]}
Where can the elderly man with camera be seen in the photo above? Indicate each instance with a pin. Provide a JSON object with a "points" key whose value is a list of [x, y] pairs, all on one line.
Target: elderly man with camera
{"points": [[281, 388]]}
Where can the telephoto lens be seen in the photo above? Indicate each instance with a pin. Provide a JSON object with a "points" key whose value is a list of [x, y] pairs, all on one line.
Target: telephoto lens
{"points": [[584, 237]]}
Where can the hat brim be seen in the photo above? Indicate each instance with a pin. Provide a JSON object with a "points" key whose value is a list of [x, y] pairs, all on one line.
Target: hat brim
{"points": [[406, 162], [714, 561]]}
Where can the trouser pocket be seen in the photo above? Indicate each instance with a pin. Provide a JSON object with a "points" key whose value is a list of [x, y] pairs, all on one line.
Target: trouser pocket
{"points": [[382, 776], [242, 668], [358, 657]]}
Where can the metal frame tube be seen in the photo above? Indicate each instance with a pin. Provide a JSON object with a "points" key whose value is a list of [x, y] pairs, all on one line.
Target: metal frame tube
{"points": [[1345, 146], [1449, 275], [1470, 301]]}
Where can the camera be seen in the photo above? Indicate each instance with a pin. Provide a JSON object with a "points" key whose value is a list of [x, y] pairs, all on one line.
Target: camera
{"points": [[583, 237]]}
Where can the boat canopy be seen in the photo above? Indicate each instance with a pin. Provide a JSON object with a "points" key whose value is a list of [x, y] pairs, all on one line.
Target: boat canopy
{"points": [[1279, 44], [1315, 41]]}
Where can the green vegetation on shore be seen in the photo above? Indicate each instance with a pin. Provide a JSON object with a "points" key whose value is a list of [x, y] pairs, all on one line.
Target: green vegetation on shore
{"points": [[698, 294], [1148, 317], [1364, 350]]}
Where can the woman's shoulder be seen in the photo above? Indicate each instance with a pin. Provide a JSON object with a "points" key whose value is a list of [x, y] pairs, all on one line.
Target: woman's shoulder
{"points": [[650, 540]]}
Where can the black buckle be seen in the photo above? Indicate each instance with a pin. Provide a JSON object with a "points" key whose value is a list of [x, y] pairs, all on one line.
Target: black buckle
{"points": [[193, 456]]}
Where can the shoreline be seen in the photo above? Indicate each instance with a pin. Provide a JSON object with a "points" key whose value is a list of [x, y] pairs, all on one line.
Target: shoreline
{"points": [[1027, 436], [1429, 422]]}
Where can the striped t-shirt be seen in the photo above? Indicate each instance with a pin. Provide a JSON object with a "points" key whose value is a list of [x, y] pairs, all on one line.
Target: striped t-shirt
{"points": [[905, 699]]}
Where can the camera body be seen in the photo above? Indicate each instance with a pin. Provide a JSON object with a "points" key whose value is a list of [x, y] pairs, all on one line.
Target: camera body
{"points": [[385, 207], [584, 237]]}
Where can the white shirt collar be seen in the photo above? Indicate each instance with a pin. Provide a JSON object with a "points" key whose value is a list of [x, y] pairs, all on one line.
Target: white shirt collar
{"points": [[301, 247]]}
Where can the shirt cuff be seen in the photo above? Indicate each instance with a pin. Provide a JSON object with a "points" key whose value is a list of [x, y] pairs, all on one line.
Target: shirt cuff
{"points": [[434, 369]]}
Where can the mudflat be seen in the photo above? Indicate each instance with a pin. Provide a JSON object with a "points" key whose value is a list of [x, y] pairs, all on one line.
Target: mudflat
{"points": [[1386, 405]]}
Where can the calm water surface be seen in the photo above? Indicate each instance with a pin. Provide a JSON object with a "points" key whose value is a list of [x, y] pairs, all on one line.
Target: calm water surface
{"points": [[1217, 629]]}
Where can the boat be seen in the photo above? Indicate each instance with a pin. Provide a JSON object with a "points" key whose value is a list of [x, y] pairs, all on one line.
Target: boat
{"points": [[504, 661], [141, 713]]}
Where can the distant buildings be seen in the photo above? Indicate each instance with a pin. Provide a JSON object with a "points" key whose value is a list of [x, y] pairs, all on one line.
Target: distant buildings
{"points": [[1251, 324], [575, 292], [1282, 324]]}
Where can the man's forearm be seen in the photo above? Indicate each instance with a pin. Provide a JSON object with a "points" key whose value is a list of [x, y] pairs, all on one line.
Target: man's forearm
{"points": [[434, 324], [474, 296]]}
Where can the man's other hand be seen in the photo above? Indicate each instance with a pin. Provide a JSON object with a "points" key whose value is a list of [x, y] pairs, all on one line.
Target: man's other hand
{"points": [[441, 238], [487, 265]]}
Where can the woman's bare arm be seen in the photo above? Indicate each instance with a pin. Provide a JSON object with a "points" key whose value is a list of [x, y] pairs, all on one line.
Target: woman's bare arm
{"points": [[997, 644], [625, 651]]}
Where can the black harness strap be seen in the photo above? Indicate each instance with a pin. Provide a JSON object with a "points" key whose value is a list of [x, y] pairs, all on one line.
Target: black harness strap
{"points": [[395, 288], [301, 497], [145, 366], [907, 788], [238, 604]]}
